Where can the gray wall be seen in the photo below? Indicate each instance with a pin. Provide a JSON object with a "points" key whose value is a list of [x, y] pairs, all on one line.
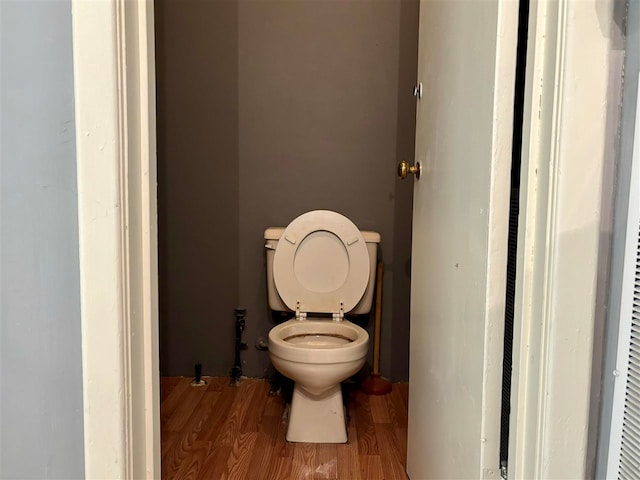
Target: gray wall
{"points": [[40, 350], [626, 132], [198, 212], [267, 110]]}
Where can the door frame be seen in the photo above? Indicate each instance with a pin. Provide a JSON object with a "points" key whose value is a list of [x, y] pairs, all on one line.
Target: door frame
{"points": [[114, 72], [572, 92], [114, 87]]}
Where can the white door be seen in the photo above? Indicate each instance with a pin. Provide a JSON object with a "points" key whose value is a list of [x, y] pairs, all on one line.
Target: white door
{"points": [[467, 60]]}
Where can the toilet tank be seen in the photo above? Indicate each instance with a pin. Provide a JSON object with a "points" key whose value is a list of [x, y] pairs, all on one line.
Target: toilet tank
{"points": [[272, 236]]}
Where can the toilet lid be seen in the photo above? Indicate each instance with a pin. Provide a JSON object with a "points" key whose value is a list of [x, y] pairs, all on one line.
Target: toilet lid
{"points": [[320, 261]]}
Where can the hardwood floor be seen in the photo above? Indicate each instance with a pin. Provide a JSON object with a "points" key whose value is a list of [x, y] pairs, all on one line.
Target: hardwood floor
{"points": [[220, 432]]}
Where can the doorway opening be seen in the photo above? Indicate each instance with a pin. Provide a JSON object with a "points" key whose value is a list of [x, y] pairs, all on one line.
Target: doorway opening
{"points": [[514, 204], [257, 122]]}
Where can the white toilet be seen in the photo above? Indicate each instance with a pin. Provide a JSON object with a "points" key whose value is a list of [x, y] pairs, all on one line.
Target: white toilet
{"points": [[320, 267]]}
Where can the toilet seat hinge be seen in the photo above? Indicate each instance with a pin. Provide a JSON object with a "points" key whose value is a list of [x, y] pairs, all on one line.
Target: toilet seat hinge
{"points": [[300, 315], [338, 317]]}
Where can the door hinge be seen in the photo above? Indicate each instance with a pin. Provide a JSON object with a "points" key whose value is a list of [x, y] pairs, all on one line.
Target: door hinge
{"points": [[504, 473], [417, 91]]}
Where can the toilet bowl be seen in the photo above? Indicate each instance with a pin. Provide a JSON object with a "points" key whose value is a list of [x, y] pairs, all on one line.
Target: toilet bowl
{"points": [[317, 355], [319, 268]]}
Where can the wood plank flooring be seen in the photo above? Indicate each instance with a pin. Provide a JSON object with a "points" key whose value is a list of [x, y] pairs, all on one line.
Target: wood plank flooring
{"points": [[220, 432]]}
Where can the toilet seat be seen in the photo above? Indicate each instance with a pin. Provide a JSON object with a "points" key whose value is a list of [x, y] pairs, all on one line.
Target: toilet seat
{"points": [[321, 264]]}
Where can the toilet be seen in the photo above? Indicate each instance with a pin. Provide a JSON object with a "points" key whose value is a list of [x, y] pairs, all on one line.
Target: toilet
{"points": [[319, 268]]}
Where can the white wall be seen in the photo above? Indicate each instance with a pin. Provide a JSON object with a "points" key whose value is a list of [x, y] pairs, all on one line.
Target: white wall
{"points": [[41, 419]]}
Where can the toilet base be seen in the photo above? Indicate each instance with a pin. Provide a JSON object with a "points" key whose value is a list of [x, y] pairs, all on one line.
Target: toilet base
{"points": [[317, 418]]}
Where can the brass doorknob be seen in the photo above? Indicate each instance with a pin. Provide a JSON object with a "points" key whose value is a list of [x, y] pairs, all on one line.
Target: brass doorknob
{"points": [[405, 169]]}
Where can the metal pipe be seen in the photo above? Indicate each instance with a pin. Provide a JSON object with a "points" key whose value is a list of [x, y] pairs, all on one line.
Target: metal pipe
{"points": [[236, 370]]}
